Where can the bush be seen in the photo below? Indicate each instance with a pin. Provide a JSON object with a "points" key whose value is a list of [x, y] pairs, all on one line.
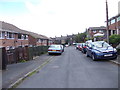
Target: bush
{"points": [[22, 61], [118, 49], [114, 39]]}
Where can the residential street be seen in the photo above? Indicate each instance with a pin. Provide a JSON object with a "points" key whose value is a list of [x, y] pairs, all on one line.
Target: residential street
{"points": [[73, 69]]}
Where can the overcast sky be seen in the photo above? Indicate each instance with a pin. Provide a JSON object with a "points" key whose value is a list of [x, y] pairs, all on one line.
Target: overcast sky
{"points": [[56, 17]]}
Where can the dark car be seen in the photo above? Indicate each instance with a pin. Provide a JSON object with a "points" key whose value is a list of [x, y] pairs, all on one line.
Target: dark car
{"points": [[101, 50], [83, 48]]}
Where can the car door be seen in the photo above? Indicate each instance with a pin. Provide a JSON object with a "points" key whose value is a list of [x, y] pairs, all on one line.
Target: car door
{"points": [[89, 49]]}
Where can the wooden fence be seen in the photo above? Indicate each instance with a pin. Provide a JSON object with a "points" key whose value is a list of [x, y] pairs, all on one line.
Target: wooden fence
{"points": [[3, 58], [24, 53]]}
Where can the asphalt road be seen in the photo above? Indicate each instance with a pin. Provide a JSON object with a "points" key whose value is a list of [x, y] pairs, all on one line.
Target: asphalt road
{"points": [[73, 69]]}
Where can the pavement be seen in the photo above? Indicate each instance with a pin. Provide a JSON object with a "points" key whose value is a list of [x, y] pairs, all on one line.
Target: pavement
{"points": [[117, 61], [17, 72]]}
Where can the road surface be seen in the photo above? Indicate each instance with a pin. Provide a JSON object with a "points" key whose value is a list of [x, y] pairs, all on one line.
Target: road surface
{"points": [[73, 69]]}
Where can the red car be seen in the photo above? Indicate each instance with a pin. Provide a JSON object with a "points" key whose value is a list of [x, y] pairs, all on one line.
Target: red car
{"points": [[79, 46]]}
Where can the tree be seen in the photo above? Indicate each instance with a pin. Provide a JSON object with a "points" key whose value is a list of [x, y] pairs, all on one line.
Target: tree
{"points": [[80, 37]]}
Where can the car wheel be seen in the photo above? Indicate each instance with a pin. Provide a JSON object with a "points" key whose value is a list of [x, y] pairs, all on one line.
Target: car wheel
{"points": [[84, 52], [93, 57]]}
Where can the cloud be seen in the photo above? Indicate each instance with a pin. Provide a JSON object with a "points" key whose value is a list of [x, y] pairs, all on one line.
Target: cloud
{"points": [[60, 17]]}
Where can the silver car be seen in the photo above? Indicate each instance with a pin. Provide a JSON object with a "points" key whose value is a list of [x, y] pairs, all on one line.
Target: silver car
{"points": [[55, 49]]}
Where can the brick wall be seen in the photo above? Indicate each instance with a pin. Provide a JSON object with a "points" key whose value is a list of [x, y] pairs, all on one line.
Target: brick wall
{"points": [[13, 42], [0, 42], [113, 26], [32, 40]]}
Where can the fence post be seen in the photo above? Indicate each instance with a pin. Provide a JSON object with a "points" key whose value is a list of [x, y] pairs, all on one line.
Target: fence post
{"points": [[0, 58], [3, 58], [30, 53]]}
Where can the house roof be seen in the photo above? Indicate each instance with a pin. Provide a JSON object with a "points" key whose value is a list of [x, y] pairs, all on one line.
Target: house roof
{"points": [[61, 38], [114, 17], [9, 27], [12, 28], [35, 35], [97, 28]]}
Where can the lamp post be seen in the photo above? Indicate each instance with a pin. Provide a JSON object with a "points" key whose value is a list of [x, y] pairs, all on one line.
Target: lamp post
{"points": [[107, 26]]}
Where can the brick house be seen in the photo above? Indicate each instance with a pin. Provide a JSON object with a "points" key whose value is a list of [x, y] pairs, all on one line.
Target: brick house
{"points": [[69, 39], [12, 37], [91, 31], [114, 25], [38, 39]]}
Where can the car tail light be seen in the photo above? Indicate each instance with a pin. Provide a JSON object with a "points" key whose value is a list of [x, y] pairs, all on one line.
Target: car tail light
{"points": [[49, 50], [57, 50], [84, 46]]}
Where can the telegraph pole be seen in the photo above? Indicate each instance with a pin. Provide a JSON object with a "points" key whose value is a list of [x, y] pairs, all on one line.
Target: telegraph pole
{"points": [[107, 26]]}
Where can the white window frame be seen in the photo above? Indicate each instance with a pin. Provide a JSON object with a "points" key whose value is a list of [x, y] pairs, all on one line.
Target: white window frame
{"points": [[12, 35], [1, 35], [112, 21], [118, 18], [25, 37]]}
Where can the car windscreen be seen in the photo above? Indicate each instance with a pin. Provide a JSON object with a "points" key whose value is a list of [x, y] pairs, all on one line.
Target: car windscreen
{"points": [[101, 44]]}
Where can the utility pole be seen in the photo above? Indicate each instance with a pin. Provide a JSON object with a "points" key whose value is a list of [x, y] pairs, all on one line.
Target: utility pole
{"points": [[107, 26]]}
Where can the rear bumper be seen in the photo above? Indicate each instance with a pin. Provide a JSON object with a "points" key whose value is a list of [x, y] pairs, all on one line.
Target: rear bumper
{"points": [[54, 52]]}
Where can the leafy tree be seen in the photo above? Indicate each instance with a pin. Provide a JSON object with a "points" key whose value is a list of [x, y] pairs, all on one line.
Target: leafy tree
{"points": [[80, 37]]}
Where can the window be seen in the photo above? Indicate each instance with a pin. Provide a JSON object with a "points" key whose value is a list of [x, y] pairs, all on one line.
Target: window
{"points": [[19, 36], [25, 37], [114, 31], [2, 34], [94, 31], [10, 35], [100, 44], [118, 19], [109, 23], [39, 40], [112, 21], [101, 31]]}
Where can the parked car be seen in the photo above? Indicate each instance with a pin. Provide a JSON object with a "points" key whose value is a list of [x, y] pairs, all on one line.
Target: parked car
{"points": [[66, 45], [83, 48], [62, 48], [55, 49], [79, 46], [101, 50], [87, 42]]}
